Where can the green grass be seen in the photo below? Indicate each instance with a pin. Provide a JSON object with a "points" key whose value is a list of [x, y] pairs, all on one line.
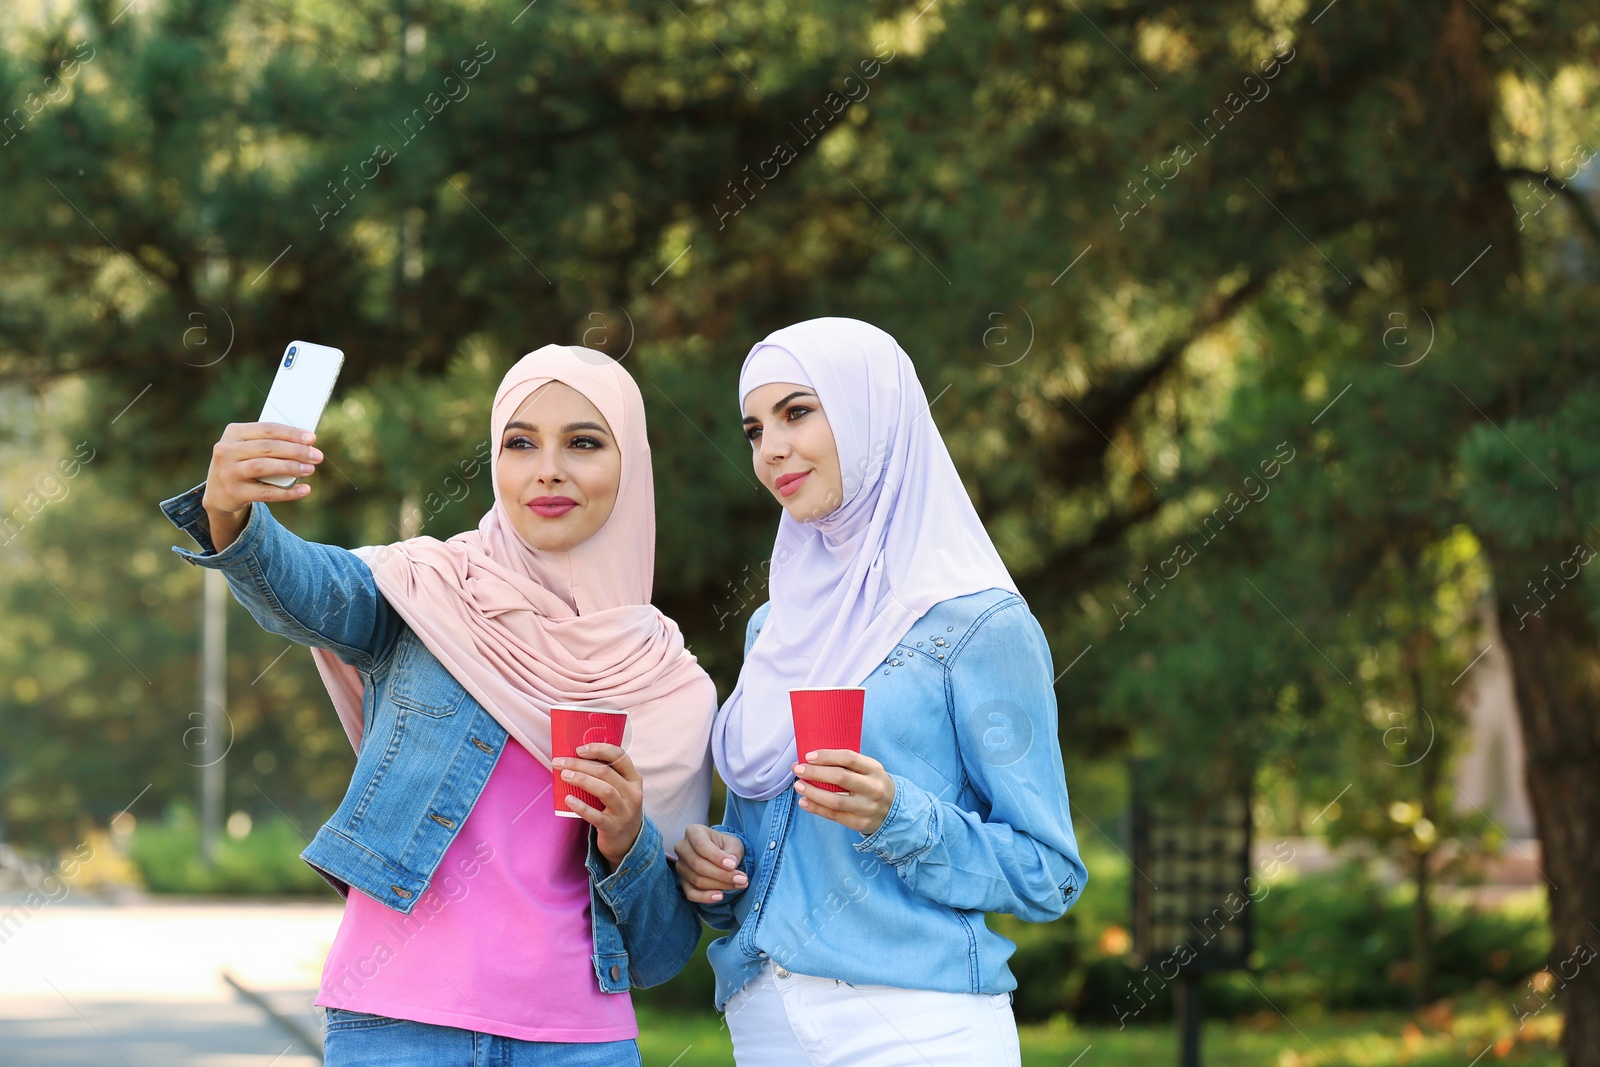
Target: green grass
{"points": [[1444, 1035], [265, 862]]}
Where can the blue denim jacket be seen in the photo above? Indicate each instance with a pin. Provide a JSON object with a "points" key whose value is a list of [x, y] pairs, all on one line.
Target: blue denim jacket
{"points": [[963, 716], [427, 747]]}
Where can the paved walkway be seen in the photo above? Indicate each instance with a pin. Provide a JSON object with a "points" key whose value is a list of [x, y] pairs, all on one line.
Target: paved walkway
{"points": [[89, 984]]}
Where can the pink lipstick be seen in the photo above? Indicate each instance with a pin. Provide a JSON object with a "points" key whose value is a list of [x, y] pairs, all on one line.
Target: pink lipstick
{"points": [[789, 484], [552, 507]]}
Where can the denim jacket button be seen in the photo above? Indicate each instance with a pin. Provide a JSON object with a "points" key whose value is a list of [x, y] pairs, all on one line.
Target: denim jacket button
{"points": [[772, 845], [616, 973], [403, 893]]}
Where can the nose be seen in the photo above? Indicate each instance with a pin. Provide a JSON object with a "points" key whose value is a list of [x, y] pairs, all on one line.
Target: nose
{"points": [[551, 469], [774, 449]]}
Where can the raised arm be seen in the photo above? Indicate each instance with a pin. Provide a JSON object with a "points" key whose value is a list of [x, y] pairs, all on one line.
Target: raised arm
{"points": [[310, 593]]}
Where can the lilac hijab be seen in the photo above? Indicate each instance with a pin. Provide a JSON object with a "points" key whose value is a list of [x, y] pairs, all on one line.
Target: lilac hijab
{"points": [[846, 588]]}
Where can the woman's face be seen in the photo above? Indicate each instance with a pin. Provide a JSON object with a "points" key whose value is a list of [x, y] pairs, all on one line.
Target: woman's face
{"points": [[559, 468], [793, 449]]}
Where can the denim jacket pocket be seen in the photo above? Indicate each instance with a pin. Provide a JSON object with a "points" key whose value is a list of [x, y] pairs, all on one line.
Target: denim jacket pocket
{"points": [[413, 686]]}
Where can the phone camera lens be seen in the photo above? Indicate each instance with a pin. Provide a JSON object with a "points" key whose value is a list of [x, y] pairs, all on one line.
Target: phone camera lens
{"points": [[288, 360]]}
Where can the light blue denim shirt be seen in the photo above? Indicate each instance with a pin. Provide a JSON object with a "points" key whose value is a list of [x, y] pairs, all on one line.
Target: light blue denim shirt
{"points": [[962, 714], [427, 747]]}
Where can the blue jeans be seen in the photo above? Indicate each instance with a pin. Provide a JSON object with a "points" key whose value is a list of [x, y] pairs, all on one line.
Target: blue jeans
{"points": [[356, 1039]]}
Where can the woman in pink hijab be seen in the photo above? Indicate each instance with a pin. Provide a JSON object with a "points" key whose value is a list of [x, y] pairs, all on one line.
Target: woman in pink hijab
{"points": [[484, 925]]}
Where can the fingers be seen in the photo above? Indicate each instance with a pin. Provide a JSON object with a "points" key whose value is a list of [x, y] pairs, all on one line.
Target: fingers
{"points": [[691, 880], [598, 788], [249, 491], [237, 452], [260, 431], [609, 791], [253, 470], [592, 815], [704, 866], [697, 885], [704, 891], [613, 755], [701, 896], [841, 808], [850, 781], [732, 848], [840, 757], [822, 798], [249, 452], [718, 847], [605, 772], [705, 873], [826, 810], [869, 790], [612, 822]]}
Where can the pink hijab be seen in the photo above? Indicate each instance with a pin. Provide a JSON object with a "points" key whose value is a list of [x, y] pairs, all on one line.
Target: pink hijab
{"points": [[485, 603]]}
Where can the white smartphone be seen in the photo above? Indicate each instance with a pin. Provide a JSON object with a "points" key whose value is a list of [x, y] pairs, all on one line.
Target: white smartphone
{"points": [[306, 374]]}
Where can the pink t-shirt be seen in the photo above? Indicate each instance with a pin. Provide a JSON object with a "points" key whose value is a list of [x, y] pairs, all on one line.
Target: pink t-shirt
{"points": [[501, 941]]}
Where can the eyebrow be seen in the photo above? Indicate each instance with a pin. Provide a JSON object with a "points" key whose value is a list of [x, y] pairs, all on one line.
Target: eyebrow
{"points": [[779, 405], [571, 427]]}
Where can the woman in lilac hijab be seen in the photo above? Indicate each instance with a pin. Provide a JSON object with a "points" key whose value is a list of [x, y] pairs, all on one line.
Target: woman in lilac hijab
{"points": [[856, 918]]}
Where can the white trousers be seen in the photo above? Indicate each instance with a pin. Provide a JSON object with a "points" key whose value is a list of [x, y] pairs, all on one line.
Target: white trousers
{"points": [[782, 1019]]}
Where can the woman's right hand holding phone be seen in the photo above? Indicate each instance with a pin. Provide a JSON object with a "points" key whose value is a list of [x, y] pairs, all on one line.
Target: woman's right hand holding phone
{"points": [[246, 452], [708, 864]]}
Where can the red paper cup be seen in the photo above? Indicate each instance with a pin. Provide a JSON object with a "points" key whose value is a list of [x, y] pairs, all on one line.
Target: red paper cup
{"points": [[570, 727], [826, 718]]}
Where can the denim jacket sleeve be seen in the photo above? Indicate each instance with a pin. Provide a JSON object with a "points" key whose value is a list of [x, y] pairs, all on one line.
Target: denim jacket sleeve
{"points": [[659, 929], [312, 594], [1021, 856]]}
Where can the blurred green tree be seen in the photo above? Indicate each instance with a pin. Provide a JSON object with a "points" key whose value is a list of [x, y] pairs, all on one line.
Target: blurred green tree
{"points": [[1134, 248]]}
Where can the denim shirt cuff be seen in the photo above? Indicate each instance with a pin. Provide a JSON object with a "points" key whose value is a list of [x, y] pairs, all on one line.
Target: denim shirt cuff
{"points": [[619, 887], [186, 512], [910, 828]]}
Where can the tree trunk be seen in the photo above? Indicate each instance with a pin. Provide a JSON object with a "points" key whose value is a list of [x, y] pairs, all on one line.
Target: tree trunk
{"points": [[1422, 909], [1422, 933], [1555, 658]]}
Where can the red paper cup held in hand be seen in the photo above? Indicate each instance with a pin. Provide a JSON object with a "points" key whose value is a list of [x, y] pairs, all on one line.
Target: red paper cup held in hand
{"points": [[571, 727], [826, 718]]}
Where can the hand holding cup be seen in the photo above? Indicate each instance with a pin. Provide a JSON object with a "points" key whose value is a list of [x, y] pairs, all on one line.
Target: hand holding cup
{"points": [[606, 774], [593, 778], [833, 778], [850, 789]]}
